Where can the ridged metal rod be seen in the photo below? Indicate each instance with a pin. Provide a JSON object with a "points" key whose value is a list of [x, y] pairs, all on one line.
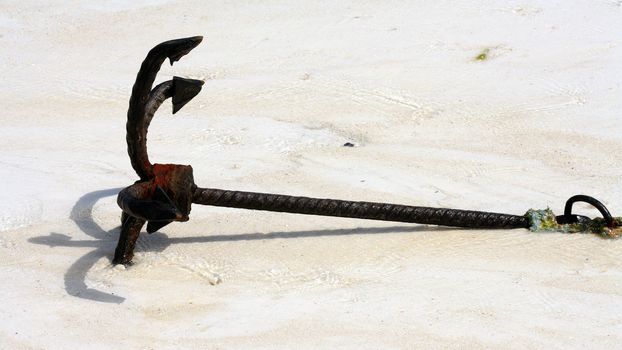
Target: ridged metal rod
{"points": [[356, 209]]}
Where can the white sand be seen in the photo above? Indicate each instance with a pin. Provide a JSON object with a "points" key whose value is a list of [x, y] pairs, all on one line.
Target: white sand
{"points": [[287, 84]]}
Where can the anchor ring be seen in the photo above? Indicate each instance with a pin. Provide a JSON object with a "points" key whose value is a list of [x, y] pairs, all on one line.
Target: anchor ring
{"points": [[569, 218]]}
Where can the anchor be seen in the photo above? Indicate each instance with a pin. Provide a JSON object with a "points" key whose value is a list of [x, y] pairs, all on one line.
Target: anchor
{"points": [[164, 193]]}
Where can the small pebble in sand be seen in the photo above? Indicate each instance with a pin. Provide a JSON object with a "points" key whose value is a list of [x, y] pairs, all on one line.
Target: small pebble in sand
{"points": [[348, 144], [214, 279]]}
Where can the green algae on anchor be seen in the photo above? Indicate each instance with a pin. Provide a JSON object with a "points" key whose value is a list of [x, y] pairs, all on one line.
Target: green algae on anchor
{"points": [[545, 221]]}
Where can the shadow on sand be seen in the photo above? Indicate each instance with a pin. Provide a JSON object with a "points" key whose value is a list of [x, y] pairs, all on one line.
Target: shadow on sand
{"points": [[104, 242]]}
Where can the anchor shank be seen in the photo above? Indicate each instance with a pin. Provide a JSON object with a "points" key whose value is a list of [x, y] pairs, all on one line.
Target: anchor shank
{"points": [[356, 209]]}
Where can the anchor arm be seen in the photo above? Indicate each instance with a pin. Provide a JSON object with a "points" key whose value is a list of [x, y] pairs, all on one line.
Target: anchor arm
{"points": [[144, 101], [163, 193]]}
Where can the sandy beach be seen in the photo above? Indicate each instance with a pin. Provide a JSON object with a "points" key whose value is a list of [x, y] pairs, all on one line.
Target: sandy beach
{"points": [[487, 105]]}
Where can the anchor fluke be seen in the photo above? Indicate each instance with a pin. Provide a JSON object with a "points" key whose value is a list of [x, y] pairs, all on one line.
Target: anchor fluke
{"points": [[184, 90], [181, 47]]}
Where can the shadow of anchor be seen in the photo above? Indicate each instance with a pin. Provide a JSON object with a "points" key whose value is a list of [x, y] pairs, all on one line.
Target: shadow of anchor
{"points": [[104, 242], [75, 277]]}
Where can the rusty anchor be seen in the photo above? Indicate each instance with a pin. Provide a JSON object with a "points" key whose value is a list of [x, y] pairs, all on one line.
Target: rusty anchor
{"points": [[165, 192]]}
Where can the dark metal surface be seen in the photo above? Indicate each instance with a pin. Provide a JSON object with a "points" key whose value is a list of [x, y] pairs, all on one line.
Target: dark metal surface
{"points": [[164, 191], [569, 218], [144, 101], [360, 210]]}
